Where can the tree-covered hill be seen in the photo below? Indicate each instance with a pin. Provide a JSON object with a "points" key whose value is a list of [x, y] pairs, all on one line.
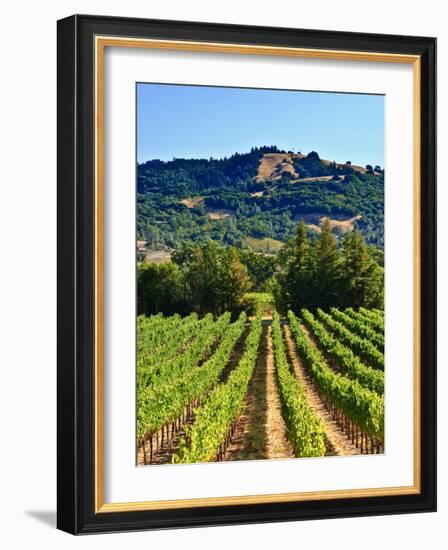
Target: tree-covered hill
{"points": [[233, 201]]}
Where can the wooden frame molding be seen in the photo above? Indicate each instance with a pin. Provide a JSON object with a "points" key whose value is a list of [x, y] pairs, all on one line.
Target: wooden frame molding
{"points": [[82, 43]]}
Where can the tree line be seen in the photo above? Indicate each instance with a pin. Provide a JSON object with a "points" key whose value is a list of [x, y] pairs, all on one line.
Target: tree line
{"points": [[317, 272], [203, 278], [309, 272]]}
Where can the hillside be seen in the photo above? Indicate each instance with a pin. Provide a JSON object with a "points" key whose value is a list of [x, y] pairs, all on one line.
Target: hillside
{"points": [[257, 195]]}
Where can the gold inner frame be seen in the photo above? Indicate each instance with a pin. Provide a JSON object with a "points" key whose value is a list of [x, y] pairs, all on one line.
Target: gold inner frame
{"points": [[101, 42]]}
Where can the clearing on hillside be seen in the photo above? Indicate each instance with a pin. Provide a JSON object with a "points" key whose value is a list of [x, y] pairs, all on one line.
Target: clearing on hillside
{"points": [[192, 202], [218, 213], [263, 245], [157, 256], [273, 165], [339, 224]]}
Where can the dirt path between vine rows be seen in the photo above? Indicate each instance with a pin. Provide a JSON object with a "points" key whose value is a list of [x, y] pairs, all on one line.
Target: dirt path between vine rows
{"points": [[260, 431], [337, 443]]}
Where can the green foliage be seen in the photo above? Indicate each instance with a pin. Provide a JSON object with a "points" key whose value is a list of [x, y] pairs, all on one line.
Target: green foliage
{"points": [[308, 272], [374, 313], [215, 279], [262, 303], [363, 406], [260, 268], [204, 278], [315, 272], [295, 284], [363, 276], [375, 320], [362, 347], [229, 184], [164, 399], [215, 416], [305, 431], [344, 356], [160, 289], [359, 327], [152, 348], [327, 268]]}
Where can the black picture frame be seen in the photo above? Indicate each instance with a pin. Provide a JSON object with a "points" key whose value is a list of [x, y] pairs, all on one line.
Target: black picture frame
{"points": [[76, 260]]}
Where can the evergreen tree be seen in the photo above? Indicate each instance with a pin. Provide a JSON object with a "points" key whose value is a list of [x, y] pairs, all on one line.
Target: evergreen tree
{"points": [[316, 273], [327, 274], [299, 270], [294, 286], [362, 275]]}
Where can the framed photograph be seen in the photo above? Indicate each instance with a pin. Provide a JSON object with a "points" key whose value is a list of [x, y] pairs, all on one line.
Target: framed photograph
{"points": [[246, 274]]}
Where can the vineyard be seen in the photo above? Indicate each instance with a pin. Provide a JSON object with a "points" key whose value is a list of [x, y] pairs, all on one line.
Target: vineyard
{"points": [[219, 389]]}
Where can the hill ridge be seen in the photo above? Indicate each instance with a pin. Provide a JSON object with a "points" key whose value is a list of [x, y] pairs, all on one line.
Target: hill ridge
{"points": [[260, 194]]}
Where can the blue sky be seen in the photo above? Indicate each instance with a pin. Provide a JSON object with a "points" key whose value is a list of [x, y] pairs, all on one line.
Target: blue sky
{"points": [[202, 122]]}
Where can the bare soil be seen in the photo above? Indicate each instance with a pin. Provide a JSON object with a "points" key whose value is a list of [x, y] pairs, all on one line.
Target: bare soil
{"points": [[157, 256], [218, 213], [260, 431], [337, 442], [278, 444], [273, 165], [338, 224], [192, 202]]}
